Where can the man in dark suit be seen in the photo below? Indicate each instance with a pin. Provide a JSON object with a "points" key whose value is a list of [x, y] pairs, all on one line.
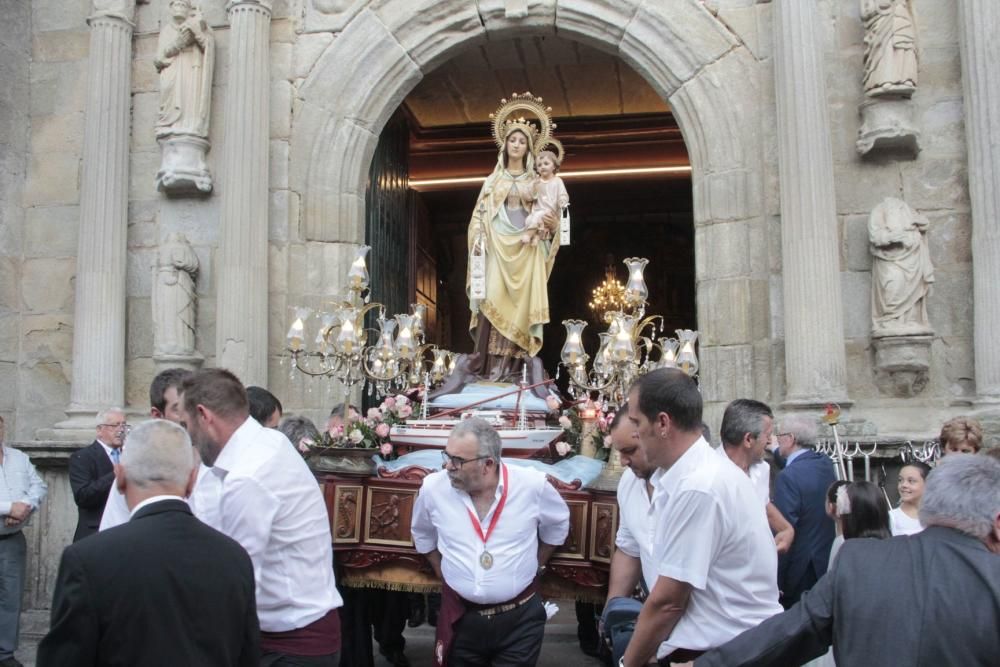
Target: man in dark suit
{"points": [[924, 600], [800, 495], [92, 471], [162, 589]]}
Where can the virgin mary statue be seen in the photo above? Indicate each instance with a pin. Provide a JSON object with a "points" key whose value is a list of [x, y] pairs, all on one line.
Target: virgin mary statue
{"points": [[506, 282]]}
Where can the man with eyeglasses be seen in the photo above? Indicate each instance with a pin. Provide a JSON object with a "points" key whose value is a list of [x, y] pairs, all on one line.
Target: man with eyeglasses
{"points": [[92, 470], [487, 528]]}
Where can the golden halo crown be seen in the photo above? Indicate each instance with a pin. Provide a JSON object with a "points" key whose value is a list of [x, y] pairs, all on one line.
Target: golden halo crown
{"points": [[540, 135]]}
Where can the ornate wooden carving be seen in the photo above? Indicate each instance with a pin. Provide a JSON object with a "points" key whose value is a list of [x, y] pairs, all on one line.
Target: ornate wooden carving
{"points": [[576, 542], [582, 576], [346, 521], [409, 473], [362, 558], [388, 515], [564, 486], [603, 531]]}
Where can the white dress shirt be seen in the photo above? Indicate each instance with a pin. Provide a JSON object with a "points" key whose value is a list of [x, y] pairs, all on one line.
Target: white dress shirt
{"points": [[19, 483], [533, 510], [900, 523], [635, 525], [204, 502], [711, 534], [760, 475], [270, 502]]}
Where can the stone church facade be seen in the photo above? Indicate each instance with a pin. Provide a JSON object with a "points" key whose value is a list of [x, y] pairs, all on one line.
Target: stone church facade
{"points": [[793, 156]]}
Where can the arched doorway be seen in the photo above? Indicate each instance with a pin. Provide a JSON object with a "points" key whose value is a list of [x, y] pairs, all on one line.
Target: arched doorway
{"points": [[709, 78]]}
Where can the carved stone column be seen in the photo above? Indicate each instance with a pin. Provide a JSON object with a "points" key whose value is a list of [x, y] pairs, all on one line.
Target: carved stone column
{"points": [[815, 362], [242, 318], [99, 313], [980, 24]]}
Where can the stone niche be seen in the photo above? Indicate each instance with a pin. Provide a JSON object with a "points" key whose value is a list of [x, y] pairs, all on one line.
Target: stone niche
{"points": [[902, 363]]}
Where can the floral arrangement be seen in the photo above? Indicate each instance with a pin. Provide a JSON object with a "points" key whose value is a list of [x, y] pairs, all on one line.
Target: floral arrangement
{"points": [[372, 431], [572, 422]]}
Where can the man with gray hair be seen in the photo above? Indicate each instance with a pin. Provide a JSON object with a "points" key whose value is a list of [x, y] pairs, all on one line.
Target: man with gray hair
{"points": [[487, 529], [923, 600], [161, 589], [92, 470], [800, 495]]}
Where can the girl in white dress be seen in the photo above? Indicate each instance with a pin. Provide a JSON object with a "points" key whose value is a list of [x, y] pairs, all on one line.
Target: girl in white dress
{"points": [[904, 520]]}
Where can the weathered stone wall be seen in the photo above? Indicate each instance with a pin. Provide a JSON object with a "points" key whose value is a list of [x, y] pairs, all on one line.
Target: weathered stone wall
{"points": [[934, 183], [15, 63]]}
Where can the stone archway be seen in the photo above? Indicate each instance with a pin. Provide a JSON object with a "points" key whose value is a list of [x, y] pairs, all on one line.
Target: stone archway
{"points": [[695, 62]]}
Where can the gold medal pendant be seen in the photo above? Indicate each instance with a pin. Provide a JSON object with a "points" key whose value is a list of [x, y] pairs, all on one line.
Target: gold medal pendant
{"points": [[486, 560]]}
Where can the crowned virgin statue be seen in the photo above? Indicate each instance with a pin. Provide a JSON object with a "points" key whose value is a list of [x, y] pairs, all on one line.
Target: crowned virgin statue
{"points": [[509, 298]]}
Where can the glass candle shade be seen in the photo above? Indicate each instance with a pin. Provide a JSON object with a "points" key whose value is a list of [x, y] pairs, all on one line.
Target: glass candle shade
{"points": [[357, 276], [296, 332], [636, 291], [404, 339], [572, 350], [687, 359]]}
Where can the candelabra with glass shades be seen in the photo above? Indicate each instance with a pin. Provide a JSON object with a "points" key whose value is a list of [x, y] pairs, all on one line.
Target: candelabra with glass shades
{"points": [[628, 349], [390, 359]]}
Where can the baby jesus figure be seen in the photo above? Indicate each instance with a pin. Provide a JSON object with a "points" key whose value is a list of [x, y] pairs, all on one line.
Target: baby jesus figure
{"points": [[550, 196]]}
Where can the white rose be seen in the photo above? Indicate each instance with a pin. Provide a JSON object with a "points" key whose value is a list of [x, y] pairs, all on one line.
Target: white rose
{"points": [[356, 436]]}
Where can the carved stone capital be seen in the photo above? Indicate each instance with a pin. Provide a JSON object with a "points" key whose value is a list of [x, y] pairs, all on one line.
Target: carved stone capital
{"points": [[123, 10], [887, 123], [262, 5]]}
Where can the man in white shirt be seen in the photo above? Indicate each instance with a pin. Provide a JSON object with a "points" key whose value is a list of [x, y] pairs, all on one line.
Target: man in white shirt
{"points": [[746, 431], [269, 502], [716, 562], [486, 528], [165, 403], [21, 492]]}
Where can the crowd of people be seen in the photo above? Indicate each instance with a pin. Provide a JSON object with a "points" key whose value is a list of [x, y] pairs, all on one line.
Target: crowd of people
{"points": [[204, 532]]}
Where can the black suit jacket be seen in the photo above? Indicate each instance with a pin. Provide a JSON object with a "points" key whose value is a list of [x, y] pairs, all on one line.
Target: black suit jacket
{"points": [[800, 494], [162, 589], [927, 600], [91, 475]]}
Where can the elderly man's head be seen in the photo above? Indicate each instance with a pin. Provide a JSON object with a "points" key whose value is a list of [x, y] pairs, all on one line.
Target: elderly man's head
{"points": [[796, 431], [472, 456], [963, 492], [158, 460]]}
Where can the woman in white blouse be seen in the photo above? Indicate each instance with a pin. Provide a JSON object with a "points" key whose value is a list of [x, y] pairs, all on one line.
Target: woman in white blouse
{"points": [[903, 520]]}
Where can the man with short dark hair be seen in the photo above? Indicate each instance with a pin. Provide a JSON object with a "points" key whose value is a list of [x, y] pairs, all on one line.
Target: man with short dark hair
{"points": [[716, 562], [162, 589], [800, 495], [264, 407], [92, 471], [746, 431], [486, 528], [923, 600], [270, 503], [164, 403], [21, 492]]}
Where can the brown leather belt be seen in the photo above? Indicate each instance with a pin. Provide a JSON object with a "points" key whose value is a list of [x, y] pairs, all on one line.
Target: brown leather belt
{"points": [[492, 610]]}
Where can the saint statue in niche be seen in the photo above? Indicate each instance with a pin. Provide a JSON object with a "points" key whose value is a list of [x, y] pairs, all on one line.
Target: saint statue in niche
{"points": [[507, 286], [902, 272], [174, 300], [507, 320], [890, 48], [185, 59]]}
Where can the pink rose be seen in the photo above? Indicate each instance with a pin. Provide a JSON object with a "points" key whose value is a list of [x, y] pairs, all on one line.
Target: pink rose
{"points": [[374, 414], [565, 422], [336, 431], [389, 403], [382, 430], [405, 411], [304, 444], [607, 442], [562, 448], [552, 402], [402, 400], [385, 449]]}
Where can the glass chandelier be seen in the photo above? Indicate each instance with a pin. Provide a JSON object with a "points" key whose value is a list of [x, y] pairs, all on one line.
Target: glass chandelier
{"points": [[392, 358], [629, 348]]}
